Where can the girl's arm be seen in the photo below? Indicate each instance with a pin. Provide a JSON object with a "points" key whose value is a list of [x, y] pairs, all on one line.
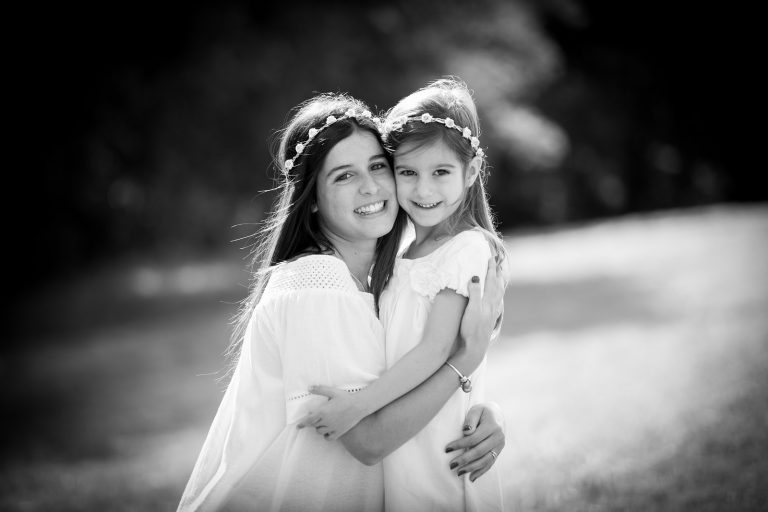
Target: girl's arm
{"points": [[343, 412], [384, 431]]}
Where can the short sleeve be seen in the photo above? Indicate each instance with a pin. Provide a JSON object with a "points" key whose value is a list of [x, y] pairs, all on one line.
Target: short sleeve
{"points": [[452, 265]]}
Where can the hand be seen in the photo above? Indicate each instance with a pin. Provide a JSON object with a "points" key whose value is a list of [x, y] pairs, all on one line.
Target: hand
{"points": [[483, 314], [483, 433], [334, 418]]}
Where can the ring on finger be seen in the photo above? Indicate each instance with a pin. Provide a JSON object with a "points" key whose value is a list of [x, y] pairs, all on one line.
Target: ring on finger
{"points": [[494, 454]]}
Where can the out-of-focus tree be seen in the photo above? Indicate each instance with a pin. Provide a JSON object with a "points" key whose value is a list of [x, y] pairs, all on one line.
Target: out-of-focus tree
{"points": [[158, 121]]}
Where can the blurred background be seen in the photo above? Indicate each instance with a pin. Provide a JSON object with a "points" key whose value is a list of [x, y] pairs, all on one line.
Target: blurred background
{"points": [[633, 366]]}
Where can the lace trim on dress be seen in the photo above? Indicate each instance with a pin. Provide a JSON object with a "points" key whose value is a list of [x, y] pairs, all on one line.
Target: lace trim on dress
{"points": [[307, 393], [315, 271]]}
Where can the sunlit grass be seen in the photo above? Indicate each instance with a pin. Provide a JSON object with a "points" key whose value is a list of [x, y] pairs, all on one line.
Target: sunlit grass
{"points": [[632, 370]]}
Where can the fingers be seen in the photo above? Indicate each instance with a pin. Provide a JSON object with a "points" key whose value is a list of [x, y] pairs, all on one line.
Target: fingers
{"points": [[328, 391], [472, 419], [475, 293], [472, 437], [310, 420], [478, 457], [489, 425], [474, 474], [326, 432], [307, 421]]}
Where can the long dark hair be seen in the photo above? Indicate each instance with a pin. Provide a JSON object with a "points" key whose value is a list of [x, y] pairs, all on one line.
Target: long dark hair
{"points": [[292, 229]]}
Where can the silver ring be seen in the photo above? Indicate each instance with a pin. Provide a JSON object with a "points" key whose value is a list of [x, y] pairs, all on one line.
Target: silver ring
{"points": [[494, 454]]}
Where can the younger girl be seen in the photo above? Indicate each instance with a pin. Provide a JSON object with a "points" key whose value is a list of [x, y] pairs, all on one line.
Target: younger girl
{"points": [[439, 171]]}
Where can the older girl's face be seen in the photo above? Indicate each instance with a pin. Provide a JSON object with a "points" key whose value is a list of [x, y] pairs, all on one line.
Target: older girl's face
{"points": [[356, 197]]}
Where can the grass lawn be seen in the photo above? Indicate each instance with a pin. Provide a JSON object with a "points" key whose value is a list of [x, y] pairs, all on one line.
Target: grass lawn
{"points": [[633, 371]]}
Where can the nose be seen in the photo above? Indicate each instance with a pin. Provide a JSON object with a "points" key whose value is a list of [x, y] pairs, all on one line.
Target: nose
{"points": [[369, 185], [423, 187]]}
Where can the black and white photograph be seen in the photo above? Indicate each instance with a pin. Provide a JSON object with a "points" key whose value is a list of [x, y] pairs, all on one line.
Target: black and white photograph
{"points": [[405, 256]]}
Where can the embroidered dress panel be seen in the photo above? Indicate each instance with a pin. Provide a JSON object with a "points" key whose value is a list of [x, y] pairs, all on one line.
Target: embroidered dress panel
{"points": [[416, 475], [312, 326]]}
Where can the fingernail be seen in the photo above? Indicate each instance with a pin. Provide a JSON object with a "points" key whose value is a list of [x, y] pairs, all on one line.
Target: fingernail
{"points": [[472, 479], [461, 472], [467, 428], [448, 450], [454, 464], [475, 279]]}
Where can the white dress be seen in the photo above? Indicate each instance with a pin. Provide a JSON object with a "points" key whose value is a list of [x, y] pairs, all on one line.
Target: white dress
{"points": [[312, 326], [417, 475]]}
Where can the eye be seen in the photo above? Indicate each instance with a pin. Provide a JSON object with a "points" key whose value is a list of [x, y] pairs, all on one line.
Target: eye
{"points": [[406, 172], [343, 177], [442, 172], [378, 166]]}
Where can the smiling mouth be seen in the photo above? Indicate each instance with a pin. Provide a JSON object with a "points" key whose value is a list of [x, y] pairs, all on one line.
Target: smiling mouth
{"points": [[370, 209], [427, 206]]}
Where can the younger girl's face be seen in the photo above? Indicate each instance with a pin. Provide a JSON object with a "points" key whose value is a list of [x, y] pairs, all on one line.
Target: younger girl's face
{"points": [[431, 182]]}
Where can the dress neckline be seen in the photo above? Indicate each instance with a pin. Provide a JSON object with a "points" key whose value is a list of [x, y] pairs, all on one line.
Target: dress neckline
{"points": [[403, 258], [343, 263]]}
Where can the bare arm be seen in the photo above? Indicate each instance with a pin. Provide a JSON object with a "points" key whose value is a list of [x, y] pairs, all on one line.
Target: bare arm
{"points": [[384, 431], [344, 411]]}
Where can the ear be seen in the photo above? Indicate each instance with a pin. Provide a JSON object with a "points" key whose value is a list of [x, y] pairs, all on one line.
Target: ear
{"points": [[473, 171]]}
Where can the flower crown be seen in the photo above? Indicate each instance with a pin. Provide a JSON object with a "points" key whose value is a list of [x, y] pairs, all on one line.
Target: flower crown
{"points": [[398, 123], [350, 113]]}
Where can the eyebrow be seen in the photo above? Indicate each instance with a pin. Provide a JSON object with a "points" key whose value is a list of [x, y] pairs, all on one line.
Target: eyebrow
{"points": [[436, 166], [347, 166]]}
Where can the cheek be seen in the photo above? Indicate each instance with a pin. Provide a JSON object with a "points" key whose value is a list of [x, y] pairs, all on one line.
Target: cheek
{"points": [[401, 184], [328, 203], [387, 182]]}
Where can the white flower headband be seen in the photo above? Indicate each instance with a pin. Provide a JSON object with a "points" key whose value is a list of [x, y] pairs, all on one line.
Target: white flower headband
{"points": [[425, 118], [350, 113]]}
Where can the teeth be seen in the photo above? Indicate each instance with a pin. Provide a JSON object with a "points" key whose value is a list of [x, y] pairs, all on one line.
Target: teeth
{"points": [[427, 205], [370, 208]]}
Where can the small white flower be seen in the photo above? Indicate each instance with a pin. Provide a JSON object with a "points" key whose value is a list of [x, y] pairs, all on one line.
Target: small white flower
{"points": [[367, 114], [449, 122], [288, 164], [426, 279], [475, 142], [350, 112], [480, 152], [312, 133], [426, 118], [330, 120], [467, 133], [299, 148]]}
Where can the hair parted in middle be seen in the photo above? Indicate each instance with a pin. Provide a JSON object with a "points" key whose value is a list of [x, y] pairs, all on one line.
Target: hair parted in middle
{"points": [[292, 229], [448, 98]]}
